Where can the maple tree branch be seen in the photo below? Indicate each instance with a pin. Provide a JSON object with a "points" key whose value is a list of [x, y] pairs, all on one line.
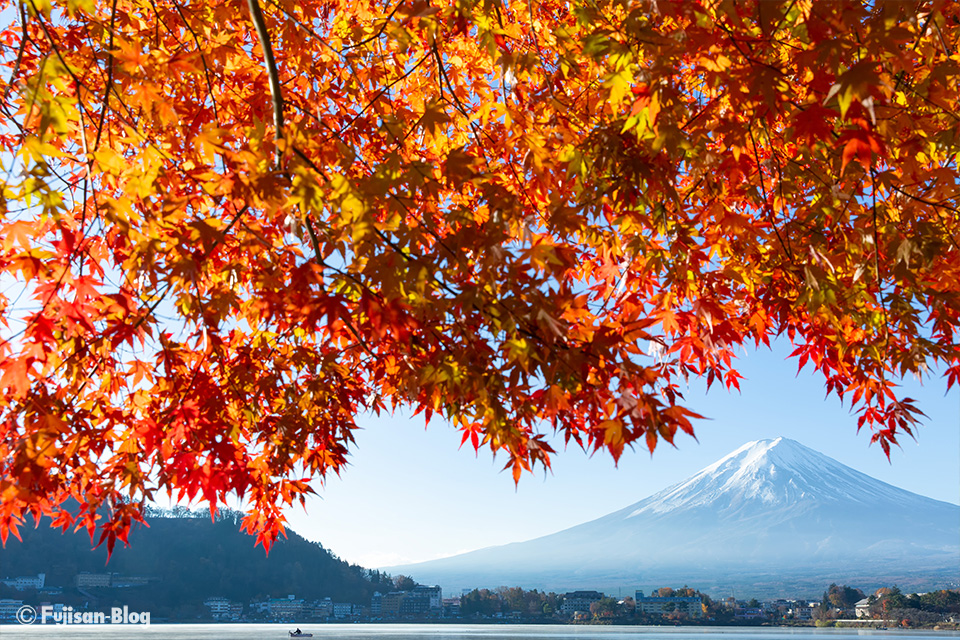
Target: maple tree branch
{"points": [[946, 49], [930, 102], [437, 238], [531, 333], [203, 61], [21, 129], [876, 256], [783, 17], [102, 359], [316, 256], [699, 113], [773, 154], [536, 38], [443, 285], [109, 81], [156, 26], [379, 31], [930, 203], [746, 56], [305, 27], [256, 15], [143, 317], [394, 247], [376, 96], [63, 274], [473, 127], [766, 199], [56, 50], [23, 45], [380, 233], [87, 160], [936, 207], [129, 120]]}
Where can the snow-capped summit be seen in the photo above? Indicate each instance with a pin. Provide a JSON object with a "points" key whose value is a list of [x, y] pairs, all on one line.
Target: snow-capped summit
{"points": [[773, 516], [770, 473]]}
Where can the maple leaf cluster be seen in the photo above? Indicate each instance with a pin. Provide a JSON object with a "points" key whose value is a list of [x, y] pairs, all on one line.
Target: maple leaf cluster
{"points": [[230, 229]]}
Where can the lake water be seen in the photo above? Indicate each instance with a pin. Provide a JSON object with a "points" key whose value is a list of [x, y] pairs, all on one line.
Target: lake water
{"points": [[447, 632]]}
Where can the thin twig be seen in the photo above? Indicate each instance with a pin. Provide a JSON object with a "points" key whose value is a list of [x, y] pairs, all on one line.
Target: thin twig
{"points": [[23, 45], [379, 31], [876, 257], [109, 81], [766, 198]]}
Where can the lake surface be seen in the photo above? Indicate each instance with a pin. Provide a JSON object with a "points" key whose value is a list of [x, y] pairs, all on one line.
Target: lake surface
{"points": [[447, 632]]}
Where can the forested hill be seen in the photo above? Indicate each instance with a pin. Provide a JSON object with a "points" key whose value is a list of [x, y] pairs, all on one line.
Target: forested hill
{"points": [[191, 559]]}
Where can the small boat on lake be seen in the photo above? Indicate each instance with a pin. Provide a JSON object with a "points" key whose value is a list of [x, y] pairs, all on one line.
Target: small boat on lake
{"points": [[299, 634]]}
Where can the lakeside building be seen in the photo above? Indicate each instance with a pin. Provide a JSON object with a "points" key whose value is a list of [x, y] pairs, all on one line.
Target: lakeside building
{"points": [[285, 609], [319, 609], [434, 596], [579, 601], [451, 607], [87, 580], [223, 610], [9, 608], [23, 583], [691, 606], [749, 613], [419, 601], [390, 604], [803, 610], [124, 582]]}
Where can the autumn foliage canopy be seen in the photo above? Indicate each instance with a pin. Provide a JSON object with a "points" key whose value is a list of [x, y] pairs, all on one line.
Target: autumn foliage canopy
{"points": [[231, 227]]}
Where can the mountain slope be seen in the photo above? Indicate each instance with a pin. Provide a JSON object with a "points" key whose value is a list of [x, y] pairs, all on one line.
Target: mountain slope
{"points": [[188, 560], [773, 515]]}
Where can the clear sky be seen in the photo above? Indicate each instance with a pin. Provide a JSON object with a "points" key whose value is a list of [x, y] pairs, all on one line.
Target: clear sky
{"points": [[410, 494]]}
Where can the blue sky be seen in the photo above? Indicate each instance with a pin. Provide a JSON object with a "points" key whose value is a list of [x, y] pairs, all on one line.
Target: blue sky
{"points": [[411, 495]]}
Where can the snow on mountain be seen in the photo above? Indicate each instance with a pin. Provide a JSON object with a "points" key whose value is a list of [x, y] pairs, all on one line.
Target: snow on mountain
{"points": [[771, 516], [775, 473]]}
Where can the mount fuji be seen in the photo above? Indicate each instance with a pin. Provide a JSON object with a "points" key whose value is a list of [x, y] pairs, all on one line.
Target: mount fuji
{"points": [[772, 518]]}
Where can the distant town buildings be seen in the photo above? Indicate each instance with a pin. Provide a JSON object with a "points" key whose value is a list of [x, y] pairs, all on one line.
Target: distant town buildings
{"points": [[424, 603], [691, 606], [417, 603]]}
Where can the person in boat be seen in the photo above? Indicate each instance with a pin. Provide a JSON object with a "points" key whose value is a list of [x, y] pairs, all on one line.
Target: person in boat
{"points": [[298, 632]]}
